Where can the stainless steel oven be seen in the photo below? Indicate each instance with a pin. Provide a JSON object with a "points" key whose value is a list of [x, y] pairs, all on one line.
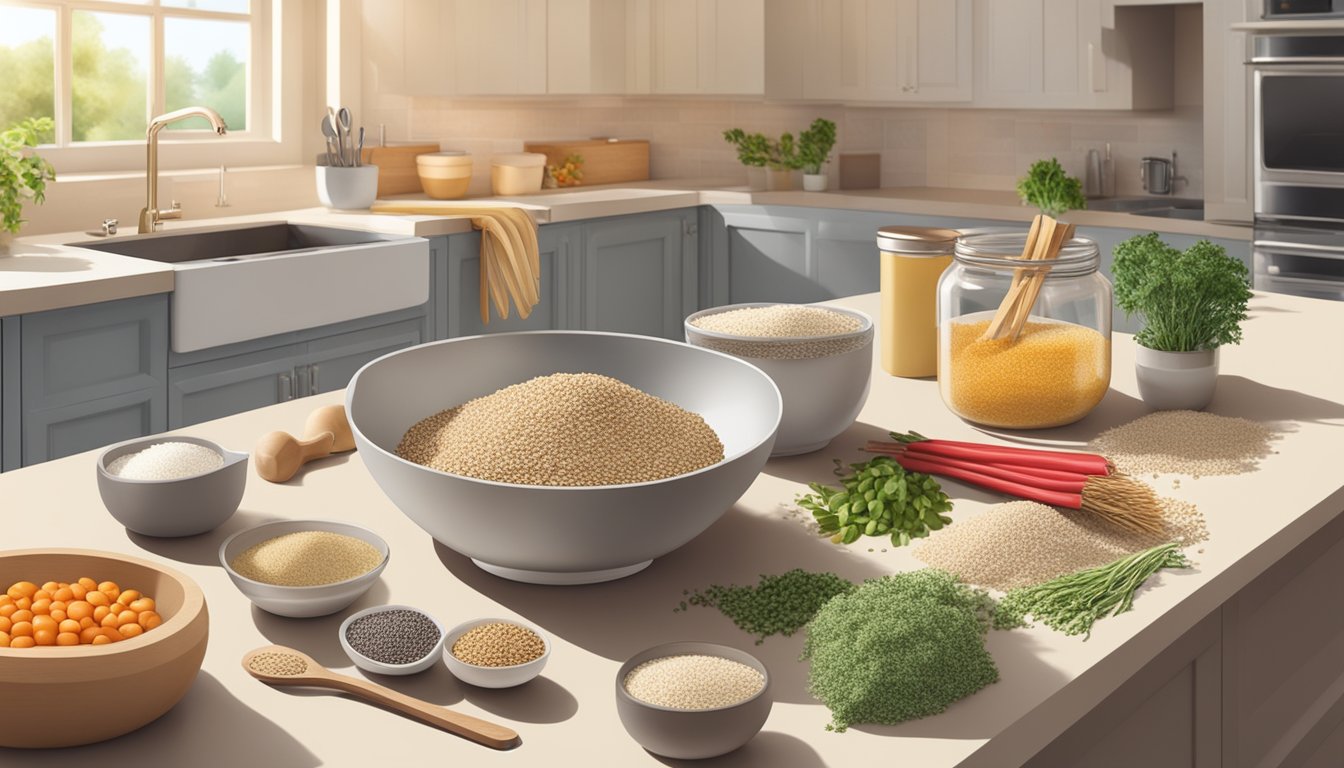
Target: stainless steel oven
{"points": [[1298, 162], [1303, 9]]}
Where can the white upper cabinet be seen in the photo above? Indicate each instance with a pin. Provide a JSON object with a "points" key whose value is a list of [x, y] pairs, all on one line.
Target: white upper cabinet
{"points": [[870, 50], [499, 47], [1067, 54], [586, 46], [699, 46]]}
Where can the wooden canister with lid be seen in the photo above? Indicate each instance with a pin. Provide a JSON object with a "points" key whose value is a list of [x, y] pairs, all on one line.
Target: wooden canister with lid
{"points": [[912, 259]]}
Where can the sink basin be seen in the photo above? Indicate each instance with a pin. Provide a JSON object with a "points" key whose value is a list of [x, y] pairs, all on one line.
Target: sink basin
{"points": [[235, 283]]}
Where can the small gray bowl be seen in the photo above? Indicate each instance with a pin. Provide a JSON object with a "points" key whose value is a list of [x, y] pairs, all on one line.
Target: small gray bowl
{"points": [[692, 734], [183, 507], [300, 602]]}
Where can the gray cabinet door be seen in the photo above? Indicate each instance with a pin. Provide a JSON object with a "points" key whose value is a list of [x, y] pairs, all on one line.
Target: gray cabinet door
{"points": [[218, 388], [639, 273], [331, 362], [766, 257], [463, 287], [92, 375]]}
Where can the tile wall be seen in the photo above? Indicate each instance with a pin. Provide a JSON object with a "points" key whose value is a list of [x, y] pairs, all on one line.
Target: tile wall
{"points": [[963, 148]]}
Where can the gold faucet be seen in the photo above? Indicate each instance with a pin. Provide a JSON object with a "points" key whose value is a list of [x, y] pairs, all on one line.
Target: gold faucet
{"points": [[151, 218]]}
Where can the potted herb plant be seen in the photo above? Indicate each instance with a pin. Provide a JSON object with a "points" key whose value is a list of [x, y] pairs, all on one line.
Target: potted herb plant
{"points": [[814, 151], [780, 156], [1050, 189], [1192, 302], [23, 174]]}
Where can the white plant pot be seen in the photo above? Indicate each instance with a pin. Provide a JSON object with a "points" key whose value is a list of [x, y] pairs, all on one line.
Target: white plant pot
{"points": [[814, 182], [1170, 381]]}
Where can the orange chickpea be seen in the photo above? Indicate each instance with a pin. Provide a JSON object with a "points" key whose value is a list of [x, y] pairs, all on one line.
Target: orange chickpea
{"points": [[4, 639], [41, 594], [5, 624], [58, 614], [100, 612], [87, 622], [150, 619], [129, 596], [21, 615], [5, 599], [78, 591], [69, 627], [8, 609], [21, 589], [142, 605], [64, 594], [101, 640], [86, 635], [110, 620], [79, 610], [67, 638], [41, 607], [58, 605], [51, 586], [112, 633], [44, 636], [22, 642], [130, 630], [23, 629], [87, 583], [44, 622], [96, 598], [110, 589], [24, 603]]}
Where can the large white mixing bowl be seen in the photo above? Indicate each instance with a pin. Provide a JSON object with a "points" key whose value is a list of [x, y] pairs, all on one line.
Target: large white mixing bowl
{"points": [[562, 535]]}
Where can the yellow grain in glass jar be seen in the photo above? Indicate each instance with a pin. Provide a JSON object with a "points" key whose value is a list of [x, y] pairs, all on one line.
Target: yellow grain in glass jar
{"points": [[1059, 367]]}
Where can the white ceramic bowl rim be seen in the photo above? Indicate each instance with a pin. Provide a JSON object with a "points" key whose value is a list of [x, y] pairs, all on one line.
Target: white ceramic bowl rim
{"points": [[865, 327], [571, 488], [378, 541], [345, 625], [672, 650], [456, 633], [153, 440]]}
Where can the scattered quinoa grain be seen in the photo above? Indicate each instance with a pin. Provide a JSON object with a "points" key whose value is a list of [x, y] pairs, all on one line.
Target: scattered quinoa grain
{"points": [[307, 559], [1190, 443], [693, 681], [166, 461], [280, 664], [566, 429]]}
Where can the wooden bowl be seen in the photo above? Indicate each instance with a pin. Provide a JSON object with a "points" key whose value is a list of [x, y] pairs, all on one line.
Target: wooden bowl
{"points": [[110, 689]]}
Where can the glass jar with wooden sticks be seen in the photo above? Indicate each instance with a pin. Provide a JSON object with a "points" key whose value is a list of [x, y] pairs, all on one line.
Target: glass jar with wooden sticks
{"points": [[1024, 327]]}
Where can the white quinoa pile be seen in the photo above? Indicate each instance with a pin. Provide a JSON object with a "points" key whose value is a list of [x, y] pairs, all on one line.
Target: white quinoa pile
{"points": [[1186, 443], [693, 681], [779, 328], [566, 429], [307, 559], [166, 461], [278, 664], [1023, 543]]}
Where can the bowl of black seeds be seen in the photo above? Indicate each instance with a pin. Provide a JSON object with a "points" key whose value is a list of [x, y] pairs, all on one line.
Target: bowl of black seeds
{"points": [[392, 639]]}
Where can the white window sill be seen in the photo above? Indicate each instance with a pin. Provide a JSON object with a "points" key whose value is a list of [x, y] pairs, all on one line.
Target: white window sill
{"points": [[185, 174]]}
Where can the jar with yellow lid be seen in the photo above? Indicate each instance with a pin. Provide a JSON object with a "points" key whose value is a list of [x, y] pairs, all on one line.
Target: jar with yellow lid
{"points": [[1058, 368], [912, 260]]}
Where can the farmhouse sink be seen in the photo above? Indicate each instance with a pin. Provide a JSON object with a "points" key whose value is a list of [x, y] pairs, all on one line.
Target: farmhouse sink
{"points": [[235, 283]]}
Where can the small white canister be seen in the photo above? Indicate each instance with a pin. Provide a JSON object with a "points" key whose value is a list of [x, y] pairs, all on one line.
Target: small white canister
{"points": [[517, 174]]}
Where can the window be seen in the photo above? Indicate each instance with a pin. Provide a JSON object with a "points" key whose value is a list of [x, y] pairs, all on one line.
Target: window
{"points": [[102, 68]]}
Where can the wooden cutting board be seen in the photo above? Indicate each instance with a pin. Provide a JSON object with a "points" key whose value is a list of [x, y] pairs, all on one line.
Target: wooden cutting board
{"points": [[396, 166], [604, 161]]}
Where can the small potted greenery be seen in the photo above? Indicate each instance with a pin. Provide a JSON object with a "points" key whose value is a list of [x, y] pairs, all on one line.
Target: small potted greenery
{"points": [[23, 174], [814, 151], [1192, 303], [780, 157], [1047, 187]]}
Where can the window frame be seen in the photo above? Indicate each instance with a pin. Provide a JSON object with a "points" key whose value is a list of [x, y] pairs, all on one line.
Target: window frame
{"points": [[265, 141]]}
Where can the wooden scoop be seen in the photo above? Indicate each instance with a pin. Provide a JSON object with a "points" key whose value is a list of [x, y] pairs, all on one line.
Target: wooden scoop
{"points": [[331, 418], [280, 665], [278, 455]]}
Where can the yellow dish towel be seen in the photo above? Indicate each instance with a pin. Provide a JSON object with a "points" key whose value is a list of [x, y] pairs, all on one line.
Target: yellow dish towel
{"points": [[510, 259]]}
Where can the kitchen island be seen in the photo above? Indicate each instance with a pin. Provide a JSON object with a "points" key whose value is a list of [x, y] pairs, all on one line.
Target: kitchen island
{"points": [[1235, 662]]}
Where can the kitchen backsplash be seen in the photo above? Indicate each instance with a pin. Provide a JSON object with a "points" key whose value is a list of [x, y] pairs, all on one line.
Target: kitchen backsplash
{"points": [[963, 148]]}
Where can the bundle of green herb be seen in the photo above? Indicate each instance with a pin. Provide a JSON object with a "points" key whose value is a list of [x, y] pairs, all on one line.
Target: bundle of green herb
{"points": [[1072, 603], [900, 647], [1050, 189], [777, 605], [1190, 300], [23, 174], [879, 498]]}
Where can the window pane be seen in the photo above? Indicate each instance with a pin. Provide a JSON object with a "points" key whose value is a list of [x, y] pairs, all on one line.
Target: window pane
{"points": [[205, 63], [108, 91], [28, 63], [224, 6]]}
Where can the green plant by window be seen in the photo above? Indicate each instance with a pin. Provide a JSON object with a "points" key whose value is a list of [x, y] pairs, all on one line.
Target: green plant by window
{"points": [[23, 174], [814, 145], [1050, 189], [1190, 300], [756, 151]]}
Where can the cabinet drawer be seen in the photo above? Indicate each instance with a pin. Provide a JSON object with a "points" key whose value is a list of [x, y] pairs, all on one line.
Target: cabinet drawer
{"points": [[332, 362], [219, 388]]}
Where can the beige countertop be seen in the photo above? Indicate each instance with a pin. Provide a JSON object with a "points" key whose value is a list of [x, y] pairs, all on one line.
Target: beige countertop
{"points": [[45, 273], [567, 717]]}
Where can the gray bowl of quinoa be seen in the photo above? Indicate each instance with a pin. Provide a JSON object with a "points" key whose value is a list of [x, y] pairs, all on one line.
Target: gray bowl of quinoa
{"points": [[559, 531]]}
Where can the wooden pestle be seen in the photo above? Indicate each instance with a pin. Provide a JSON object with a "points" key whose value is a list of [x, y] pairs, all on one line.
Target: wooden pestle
{"points": [[278, 455]]}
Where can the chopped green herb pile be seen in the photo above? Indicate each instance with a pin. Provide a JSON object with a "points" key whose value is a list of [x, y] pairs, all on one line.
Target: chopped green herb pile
{"points": [[900, 647], [879, 498], [1072, 603], [777, 605]]}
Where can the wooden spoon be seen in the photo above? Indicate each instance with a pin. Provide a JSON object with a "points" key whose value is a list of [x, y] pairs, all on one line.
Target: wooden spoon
{"points": [[280, 665], [278, 455], [331, 418]]}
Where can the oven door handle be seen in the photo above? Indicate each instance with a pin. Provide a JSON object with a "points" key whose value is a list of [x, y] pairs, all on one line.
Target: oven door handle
{"points": [[1279, 246], [1305, 64]]}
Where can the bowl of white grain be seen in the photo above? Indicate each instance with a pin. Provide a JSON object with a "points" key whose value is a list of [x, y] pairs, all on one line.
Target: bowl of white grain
{"points": [[171, 485], [821, 358]]}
